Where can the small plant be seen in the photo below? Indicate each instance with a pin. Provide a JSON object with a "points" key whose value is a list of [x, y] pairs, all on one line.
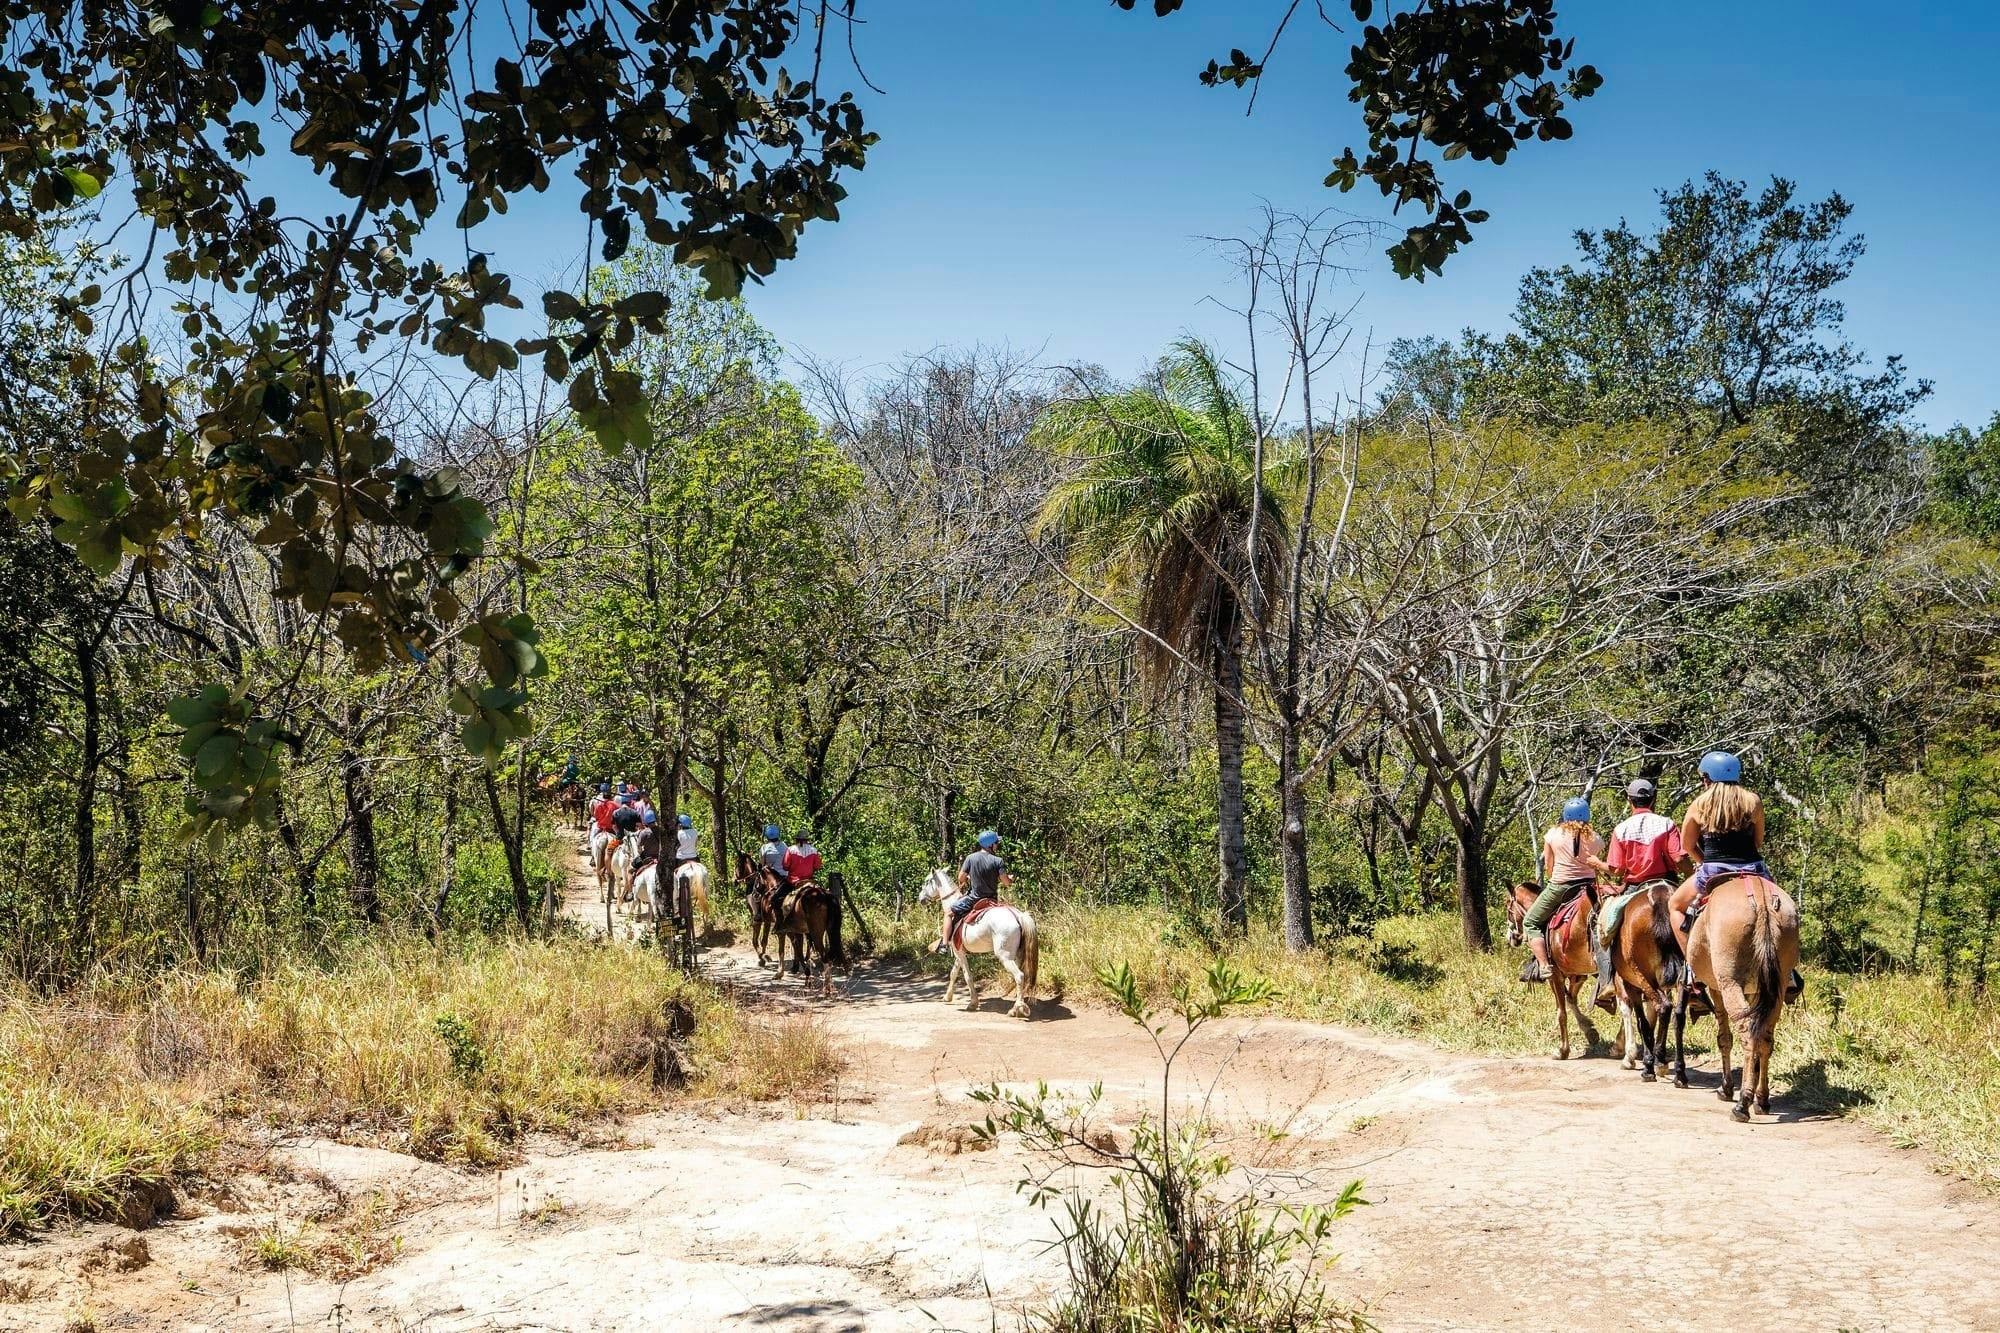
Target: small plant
{"points": [[1180, 1252], [279, 1248], [468, 1058]]}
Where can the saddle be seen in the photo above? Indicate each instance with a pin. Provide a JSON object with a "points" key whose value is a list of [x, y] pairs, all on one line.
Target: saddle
{"points": [[977, 910], [1567, 916]]}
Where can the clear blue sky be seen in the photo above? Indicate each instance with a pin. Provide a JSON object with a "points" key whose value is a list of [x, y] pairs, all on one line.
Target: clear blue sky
{"points": [[1047, 166]]}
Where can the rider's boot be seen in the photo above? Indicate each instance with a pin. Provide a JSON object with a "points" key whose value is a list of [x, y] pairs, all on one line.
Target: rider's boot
{"points": [[1605, 997], [1537, 967]]}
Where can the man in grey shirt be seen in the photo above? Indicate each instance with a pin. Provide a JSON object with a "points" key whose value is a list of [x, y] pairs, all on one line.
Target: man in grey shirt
{"points": [[982, 876]]}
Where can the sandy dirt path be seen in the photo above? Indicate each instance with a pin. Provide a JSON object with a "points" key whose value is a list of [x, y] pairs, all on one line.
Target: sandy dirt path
{"points": [[1506, 1193]]}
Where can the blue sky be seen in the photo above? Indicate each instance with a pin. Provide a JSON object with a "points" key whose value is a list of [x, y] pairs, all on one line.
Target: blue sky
{"points": [[1047, 167]]}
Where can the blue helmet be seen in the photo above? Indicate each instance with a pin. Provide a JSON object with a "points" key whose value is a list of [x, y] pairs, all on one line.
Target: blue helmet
{"points": [[773, 832], [1577, 807], [624, 798], [603, 789], [687, 821], [1721, 766], [989, 840], [650, 817]]}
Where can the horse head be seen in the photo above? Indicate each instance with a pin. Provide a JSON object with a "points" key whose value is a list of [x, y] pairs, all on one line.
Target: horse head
{"points": [[938, 887], [1519, 899]]}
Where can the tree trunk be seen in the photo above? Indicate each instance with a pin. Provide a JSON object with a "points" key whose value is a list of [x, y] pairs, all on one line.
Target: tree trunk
{"points": [[718, 806], [363, 860], [85, 815], [947, 812], [1232, 871], [524, 905], [447, 853], [1292, 840], [1472, 881]]}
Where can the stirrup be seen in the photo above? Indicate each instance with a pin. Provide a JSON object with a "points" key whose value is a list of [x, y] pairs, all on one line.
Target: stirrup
{"points": [[1533, 971]]}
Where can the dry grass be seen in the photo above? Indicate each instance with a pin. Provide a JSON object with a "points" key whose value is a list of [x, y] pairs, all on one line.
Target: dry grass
{"points": [[1894, 1052], [448, 1051]]}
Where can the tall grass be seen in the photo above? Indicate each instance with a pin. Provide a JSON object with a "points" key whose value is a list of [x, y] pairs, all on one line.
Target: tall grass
{"points": [[1896, 1052], [449, 1050]]}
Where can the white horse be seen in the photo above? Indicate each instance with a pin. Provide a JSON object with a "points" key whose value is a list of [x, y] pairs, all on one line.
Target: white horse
{"points": [[691, 887], [614, 869], [1006, 932]]}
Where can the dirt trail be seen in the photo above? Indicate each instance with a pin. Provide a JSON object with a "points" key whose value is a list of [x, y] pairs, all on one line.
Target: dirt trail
{"points": [[1507, 1193]]}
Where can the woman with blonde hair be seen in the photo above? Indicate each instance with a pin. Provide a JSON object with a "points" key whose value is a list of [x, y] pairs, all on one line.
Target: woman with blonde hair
{"points": [[1724, 826], [1572, 856]]}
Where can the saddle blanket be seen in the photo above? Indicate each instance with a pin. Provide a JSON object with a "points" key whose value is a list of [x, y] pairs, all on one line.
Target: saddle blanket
{"points": [[979, 909], [1565, 917]]}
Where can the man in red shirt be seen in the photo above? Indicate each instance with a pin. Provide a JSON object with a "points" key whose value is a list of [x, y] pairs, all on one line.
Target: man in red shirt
{"points": [[1645, 849], [802, 859]]}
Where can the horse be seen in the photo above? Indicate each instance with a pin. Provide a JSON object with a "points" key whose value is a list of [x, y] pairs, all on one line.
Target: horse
{"points": [[1569, 951], [575, 809], [755, 886], [614, 868], [1743, 949], [1004, 930], [691, 889], [810, 919], [1648, 968]]}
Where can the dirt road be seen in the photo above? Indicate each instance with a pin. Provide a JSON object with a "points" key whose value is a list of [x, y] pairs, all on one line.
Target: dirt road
{"points": [[1506, 1193]]}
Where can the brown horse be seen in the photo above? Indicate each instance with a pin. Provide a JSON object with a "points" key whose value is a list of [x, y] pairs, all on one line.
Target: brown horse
{"points": [[1571, 956], [1743, 948], [755, 884], [1649, 967], [810, 918]]}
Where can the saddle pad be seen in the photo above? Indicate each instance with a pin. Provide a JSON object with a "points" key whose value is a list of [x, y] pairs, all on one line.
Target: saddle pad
{"points": [[1614, 908], [979, 909]]}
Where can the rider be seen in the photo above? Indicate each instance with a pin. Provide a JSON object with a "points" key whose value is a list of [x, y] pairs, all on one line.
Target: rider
{"points": [[981, 876], [1723, 828], [625, 818], [772, 856], [687, 843], [648, 852], [1645, 850], [571, 771], [1570, 864], [802, 859]]}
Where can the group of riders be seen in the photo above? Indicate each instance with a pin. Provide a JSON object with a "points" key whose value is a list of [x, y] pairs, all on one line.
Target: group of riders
{"points": [[1720, 835]]}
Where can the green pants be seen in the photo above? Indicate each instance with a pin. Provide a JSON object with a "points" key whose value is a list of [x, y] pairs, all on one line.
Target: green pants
{"points": [[1548, 904]]}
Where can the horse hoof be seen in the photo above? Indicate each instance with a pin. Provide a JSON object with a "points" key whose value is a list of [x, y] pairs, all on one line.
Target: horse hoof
{"points": [[1740, 1113], [1648, 1076], [1723, 1094], [1763, 1108], [1680, 1082], [1562, 1052]]}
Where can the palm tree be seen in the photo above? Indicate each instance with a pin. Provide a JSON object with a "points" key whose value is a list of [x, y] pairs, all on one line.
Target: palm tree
{"points": [[1166, 508]]}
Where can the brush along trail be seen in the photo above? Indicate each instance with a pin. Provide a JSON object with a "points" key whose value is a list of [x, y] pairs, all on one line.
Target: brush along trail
{"points": [[1506, 1193]]}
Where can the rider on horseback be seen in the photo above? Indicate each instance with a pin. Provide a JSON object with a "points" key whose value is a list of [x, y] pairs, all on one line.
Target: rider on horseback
{"points": [[772, 856], [1723, 827], [1570, 863], [649, 843], [982, 876], [687, 843], [1645, 850], [802, 860], [625, 818]]}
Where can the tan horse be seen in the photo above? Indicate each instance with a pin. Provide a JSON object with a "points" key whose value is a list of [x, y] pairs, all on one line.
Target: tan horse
{"points": [[1571, 956], [1647, 963], [1743, 948]]}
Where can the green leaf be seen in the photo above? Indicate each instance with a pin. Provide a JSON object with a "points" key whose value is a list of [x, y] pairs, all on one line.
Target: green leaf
{"points": [[86, 184], [219, 750]]}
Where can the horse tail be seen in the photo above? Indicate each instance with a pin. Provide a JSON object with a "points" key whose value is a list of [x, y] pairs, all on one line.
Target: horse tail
{"points": [[836, 893], [1770, 969], [1673, 967], [1031, 952]]}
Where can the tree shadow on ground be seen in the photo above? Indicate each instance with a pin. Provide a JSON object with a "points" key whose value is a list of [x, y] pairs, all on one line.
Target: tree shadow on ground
{"points": [[1814, 1094], [832, 1316], [1400, 963]]}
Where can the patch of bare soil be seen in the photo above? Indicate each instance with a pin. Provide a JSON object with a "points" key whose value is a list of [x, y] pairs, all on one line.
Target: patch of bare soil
{"points": [[1506, 1194]]}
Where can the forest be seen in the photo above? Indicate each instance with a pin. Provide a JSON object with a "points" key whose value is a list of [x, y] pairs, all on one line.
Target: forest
{"points": [[1311, 670], [330, 547]]}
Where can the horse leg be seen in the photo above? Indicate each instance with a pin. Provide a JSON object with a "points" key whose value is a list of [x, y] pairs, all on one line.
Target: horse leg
{"points": [[1725, 1043], [1628, 1039], [951, 977], [1562, 1015], [1020, 1008], [1680, 1034], [971, 991], [1765, 1042]]}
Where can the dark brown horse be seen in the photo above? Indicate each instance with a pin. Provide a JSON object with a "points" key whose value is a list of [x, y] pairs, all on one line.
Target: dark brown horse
{"points": [[755, 886], [1648, 965], [1570, 952]]}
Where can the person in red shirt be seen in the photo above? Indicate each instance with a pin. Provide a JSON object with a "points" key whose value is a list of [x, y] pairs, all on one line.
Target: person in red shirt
{"points": [[802, 859], [1645, 849]]}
